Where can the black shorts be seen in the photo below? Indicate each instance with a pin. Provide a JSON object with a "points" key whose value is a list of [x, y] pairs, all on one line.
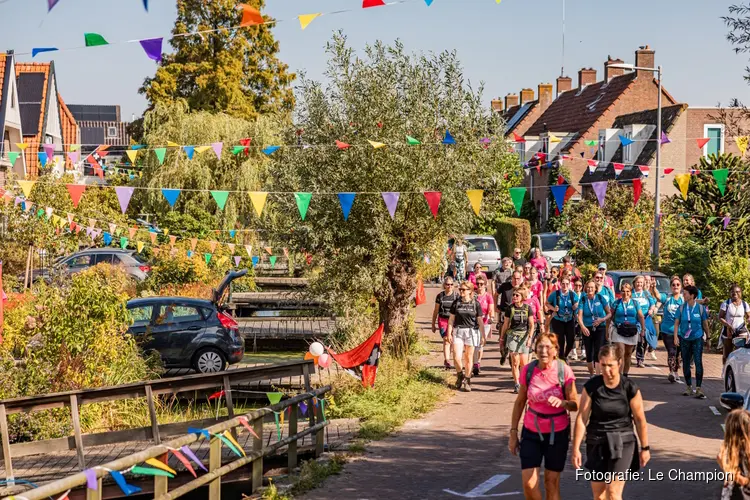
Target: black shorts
{"points": [[534, 450], [598, 458]]}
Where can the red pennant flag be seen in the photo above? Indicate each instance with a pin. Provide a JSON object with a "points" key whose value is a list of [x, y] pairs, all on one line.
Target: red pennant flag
{"points": [[539, 168], [560, 180], [518, 138], [433, 200], [565, 157], [76, 191], [668, 170], [366, 4], [694, 171], [619, 167], [593, 163], [246, 142], [569, 194], [362, 361], [342, 145], [250, 16], [216, 395], [636, 191], [542, 156], [702, 142]]}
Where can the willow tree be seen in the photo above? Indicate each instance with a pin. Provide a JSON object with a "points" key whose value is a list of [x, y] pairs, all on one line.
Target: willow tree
{"points": [[385, 96], [226, 68]]}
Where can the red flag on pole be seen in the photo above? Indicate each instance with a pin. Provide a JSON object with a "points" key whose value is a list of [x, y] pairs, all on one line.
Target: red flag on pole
{"points": [[362, 361], [636, 191]]}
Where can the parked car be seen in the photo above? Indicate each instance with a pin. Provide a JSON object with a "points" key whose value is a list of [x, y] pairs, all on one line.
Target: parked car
{"points": [[188, 332], [554, 246], [620, 277], [482, 249], [133, 264], [736, 371]]}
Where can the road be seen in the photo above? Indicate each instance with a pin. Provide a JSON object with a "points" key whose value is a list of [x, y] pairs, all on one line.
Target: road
{"points": [[459, 450]]}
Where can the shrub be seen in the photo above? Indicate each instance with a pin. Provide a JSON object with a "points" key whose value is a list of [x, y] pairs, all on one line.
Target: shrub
{"points": [[176, 270], [511, 233]]}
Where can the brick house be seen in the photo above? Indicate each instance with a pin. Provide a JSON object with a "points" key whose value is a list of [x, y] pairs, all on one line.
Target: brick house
{"points": [[10, 120], [520, 115]]}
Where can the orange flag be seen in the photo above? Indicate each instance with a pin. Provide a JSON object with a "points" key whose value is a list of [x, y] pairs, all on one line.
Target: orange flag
{"points": [[250, 16]]}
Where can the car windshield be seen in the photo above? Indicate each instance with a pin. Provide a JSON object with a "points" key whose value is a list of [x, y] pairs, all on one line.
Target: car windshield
{"points": [[481, 245], [554, 242], [662, 283]]}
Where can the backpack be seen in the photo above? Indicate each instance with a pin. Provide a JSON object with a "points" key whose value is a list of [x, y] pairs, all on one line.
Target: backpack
{"points": [[571, 297], [741, 330], [560, 373]]}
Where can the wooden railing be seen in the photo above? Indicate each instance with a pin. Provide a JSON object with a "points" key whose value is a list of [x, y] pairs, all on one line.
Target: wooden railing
{"points": [[215, 468], [148, 389]]}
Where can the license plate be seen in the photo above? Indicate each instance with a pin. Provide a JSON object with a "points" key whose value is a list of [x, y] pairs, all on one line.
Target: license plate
{"points": [[485, 268]]}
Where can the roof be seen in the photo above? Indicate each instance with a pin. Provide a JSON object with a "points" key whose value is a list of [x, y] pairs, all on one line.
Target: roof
{"points": [[33, 82], [69, 129], [4, 59], [576, 111], [95, 112], [516, 114]]}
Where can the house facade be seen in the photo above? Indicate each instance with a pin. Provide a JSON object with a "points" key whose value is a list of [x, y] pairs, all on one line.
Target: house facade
{"points": [[10, 121]]}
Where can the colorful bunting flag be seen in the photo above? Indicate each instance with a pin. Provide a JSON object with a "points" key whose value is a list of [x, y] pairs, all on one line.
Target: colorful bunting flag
{"points": [[43, 158], [518, 138], [433, 201], [346, 200], [22, 146], [593, 164], [683, 181], [475, 198], [127, 489], [250, 16], [207, 257], [274, 397], [171, 195], [234, 442], [217, 147], [249, 250], [237, 149], [123, 242], [303, 203], [411, 141], [366, 4], [726, 221], [152, 47], [212, 245], [26, 187], [75, 191], [160, 465], [272, 259], [625, 141], [600, 189], [94, 39], [13, 156], [132, 155], [619, 167], [668, 170], [255, 260], [554, 139], [517, 194], [591, 143], [306, 19], [160, 152], [189, 151], [741, 142], [39, 50], [258, 198], [237, 260], [391, 202], [702, 142], [376, 145], [720, 176], [139, 245], [124, 193], [269, 150], [74, 156], [448, 139], [150, 471], [220, 197], [558, 192], [664, 138], [644, 170], [342, 145]]}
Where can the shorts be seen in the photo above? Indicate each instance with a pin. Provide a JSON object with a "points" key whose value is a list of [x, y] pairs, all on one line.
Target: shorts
{"points": [[516, 344], [468, 336], [597, 458], [487, 330], [443, 327], [534, 450]]}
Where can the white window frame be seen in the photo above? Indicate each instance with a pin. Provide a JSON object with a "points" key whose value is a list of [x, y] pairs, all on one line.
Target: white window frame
{"points": [[627, 151], [721, 138], [601, 150], [111, 135]]}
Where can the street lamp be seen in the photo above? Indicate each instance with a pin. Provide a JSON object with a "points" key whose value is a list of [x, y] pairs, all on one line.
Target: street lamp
{"points": [[657, 201]]}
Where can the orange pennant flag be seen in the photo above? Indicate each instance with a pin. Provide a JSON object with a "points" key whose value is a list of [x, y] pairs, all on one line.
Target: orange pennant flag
{"points": [[153, 238], [250, 16], [172, 240], [342, 145], [702, 142]]}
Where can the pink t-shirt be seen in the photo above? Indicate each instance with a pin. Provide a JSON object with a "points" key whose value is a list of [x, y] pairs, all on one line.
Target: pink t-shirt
{"points": [[608, 282], [473, 277], [485, 301], [536, 290], [543, 385], [533, 302], [540, 263]]}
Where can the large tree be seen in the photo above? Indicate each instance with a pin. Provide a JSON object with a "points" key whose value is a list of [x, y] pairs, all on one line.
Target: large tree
{"points": [[383, 97], [225, 68]]}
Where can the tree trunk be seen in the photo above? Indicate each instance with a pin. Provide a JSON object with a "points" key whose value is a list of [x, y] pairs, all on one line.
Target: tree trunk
{"points": [[394, 297]]}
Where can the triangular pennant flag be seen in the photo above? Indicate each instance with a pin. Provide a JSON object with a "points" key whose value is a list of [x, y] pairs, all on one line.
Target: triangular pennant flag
{"points": [[171, 195], [39, 50], [76, 191], [554, 139], [26, 187], [433, 201], [127, 489], [212, 245], [411, 141], [153, 238], [74, 156], [346, 200], [249, 250], [150, 471], [160, 465], [303, 203], [193, 243], [255, 260], [600, 189], [448, 139], [741, 142], [217, 147], [231, 439], [94, 39], [259, 201], [140, 245], [132, 231], [272, 259], [250, 16], [306, 19], [172, 240], [591, 143], [43, 158], [637, 187], [50, 150], [475, 198], [269, 150], [22, 145], [366, 4], [207, 256], [132, 155], [112, 227], [178, 454], [710, 221], [391, 202], [232, 232], [342, 145], [625, 141], [13, 156], [720, 176], [518, 138], [668, 170], [726, 221], [644, 170], [268, 250], [237, 149], [274, 397], [619, 167], [664, 138], [124, 193], [123, 242], [220, 197], [189, 453], [202, 149], [237, 260], [683, 181], [592, 165], [160, 152], [189, 151], [152, 47], [376, 145], [517, 194], [702, 142], [558, 192]]}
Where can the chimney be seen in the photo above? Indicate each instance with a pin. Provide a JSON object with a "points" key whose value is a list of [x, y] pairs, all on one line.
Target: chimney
{"points": [[545, 95], [586, 76], [497, 105], [527, 95], [510, 101], [644, 57], [564, 83], [612, 72]]}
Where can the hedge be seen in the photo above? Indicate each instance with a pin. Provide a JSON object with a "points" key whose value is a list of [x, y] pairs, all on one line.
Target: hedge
{"points": [[511, 233]]}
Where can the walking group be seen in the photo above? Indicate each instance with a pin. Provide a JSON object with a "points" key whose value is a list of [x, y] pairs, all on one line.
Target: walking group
{"points": [[546, 315]]}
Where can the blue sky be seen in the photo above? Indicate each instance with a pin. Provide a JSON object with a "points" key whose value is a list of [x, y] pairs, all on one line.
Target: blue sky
{"points": [[509, 46]]}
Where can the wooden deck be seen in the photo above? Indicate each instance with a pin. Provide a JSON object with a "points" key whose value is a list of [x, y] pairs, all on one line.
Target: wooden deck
{"points": [[288, 301], [274, 283]]}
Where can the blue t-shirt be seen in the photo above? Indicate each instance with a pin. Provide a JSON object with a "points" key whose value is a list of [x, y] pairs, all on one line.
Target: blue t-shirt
{"points": [[645, 301], [608, 294], [592, 308], [626, 312], [671, 305], [566, 302], [691, 321]]}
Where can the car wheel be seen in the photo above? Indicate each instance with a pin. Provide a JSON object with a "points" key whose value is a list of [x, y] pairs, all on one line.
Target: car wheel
{"points": [[210, 360], [729, 384]]}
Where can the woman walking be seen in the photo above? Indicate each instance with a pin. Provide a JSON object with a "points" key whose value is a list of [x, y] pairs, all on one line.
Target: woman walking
{"points": [[459, 259], [487, 302], [628, 320], [440, 316], [610, 404], [464, 327], [734, 457], [734, 314], [593, 314], [517, 333], [561, 304], [689, 327], [548, 385], [647, 304], [671, 304], [654, 291]]}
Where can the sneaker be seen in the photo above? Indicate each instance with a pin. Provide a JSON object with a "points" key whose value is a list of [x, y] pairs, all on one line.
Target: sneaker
{"points": [[671, 378], [699, 393], [639, 364], [573, 356], [475, 370], [447, 365], [459, 380], [653, 355], [503, 356], [467, 384], [688, 391], [516, 387]]}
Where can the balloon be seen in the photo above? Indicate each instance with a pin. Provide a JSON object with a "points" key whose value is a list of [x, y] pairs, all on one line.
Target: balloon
{"points": [[316, 349], [324, 361]]}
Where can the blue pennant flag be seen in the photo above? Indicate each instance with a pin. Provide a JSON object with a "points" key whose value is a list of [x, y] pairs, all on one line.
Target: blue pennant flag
{"points": [[448, 138], [171, 195], [559, 193], [43, 158], [137, 146], [203, 432], [269, 150], [145, 5], [107, 238], [39, 50], [232, 232], [255, 261], [625, 141], [189, 151], [428, 2], [346, 200], [126, 488]]}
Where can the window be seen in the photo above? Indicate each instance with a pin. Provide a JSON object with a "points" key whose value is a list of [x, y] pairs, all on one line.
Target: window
{"points": [[627, 151], [79, 261], [715, 134], [48, 139], [481, 245], [111, 131], [602, 143], [141, 315], [12, 98], [175, 313], [103, 258]]}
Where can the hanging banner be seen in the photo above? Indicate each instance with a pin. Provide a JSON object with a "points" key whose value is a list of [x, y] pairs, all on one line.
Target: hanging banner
{"points": [[683, 181], [517, 194], [600, 189]]}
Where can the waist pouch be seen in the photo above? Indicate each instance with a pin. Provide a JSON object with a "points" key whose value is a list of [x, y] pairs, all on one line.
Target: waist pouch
{"points": [[627, 330]]}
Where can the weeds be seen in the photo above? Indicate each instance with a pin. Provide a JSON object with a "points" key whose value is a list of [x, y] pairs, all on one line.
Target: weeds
{"points": [[313, 473]]}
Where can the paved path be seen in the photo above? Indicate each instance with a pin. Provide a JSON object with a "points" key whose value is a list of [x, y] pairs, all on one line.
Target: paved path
{"points": [[463, 443]]}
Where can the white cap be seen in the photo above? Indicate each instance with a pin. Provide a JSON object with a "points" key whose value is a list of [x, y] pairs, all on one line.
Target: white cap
{"points": [[602, 265]]}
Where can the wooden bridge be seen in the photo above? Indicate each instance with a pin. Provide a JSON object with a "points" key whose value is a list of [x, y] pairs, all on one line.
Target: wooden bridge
{"points": [[67, 462]]}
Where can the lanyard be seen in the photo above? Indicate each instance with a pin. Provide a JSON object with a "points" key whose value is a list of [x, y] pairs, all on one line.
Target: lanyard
{"points": [[625, 308], [591, 308], [690, 317]]}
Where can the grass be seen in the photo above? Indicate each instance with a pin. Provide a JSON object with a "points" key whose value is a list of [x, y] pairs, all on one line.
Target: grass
{"points": [[313, 473], [251, 358]]}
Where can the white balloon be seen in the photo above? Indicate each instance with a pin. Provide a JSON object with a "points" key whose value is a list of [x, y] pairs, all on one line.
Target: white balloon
{"points": [[316, 349]]}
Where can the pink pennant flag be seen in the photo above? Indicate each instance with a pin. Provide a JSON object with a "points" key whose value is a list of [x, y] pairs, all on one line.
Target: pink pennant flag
{"points": [[619, 167], [237, 259], [172, 240], [112, 228], [73, 156], [184, 461], [246, 425], [187, 451], [153, 238], [726, 221], [132, 231], [217, 147], [50, 150]]}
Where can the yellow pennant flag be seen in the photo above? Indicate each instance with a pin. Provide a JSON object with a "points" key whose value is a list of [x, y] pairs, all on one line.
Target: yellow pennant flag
{"points": [[202, 149], [139, 245], [306, 19], [683, 180], [132, 155], [553, 139], [376, 145], [26, 187], [160, 465], [22, 145], [475, 198], [75, 147], [741, 144], [231, 439], [171, 144], [259, 200], [222, 260]]}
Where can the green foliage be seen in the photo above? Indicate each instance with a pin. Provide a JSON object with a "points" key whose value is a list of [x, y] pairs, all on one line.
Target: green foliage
{"points": [[511, 233], [176, 270], [722, 274], [235, 71], [314, 472], [685, 254]]}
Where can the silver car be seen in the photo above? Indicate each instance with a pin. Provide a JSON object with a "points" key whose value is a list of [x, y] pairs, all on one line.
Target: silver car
{"points": [[130, 261], [482, 249]]}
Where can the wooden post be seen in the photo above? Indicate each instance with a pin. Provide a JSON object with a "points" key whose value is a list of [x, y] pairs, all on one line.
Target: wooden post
{"points": [[320, 435], [258, 462], [26, 277], [214, 462], [6, 446], [77, 430], [161, 485], [230, 403], [95, 494], [292, 450], [306, 376], [152, 415], [311, 417]]}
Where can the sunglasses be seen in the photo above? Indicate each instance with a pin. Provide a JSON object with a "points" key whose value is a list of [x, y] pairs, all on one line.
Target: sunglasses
{"points": [[675, 285], [481, 283], [464, 289], [448, 284]]}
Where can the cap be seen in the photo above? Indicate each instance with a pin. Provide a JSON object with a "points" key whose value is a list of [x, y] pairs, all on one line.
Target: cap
{"points": [[602, 265]]}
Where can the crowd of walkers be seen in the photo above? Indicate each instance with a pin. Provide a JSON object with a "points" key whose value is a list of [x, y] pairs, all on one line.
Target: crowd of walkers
{"points": [[546, 315]]}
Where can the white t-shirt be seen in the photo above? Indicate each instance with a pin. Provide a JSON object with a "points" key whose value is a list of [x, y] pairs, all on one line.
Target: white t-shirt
{"points": [[735, 315], [460, 252]]}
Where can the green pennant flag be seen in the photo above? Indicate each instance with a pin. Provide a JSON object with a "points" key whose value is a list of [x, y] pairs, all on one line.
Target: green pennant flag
{"points": [[720, 176], [207, 256], [710, 220], [517, 194], [220, 197], [13, 156], [237, 150], [412, 141], [123, 242], [150, 471], [591, 143], [303, 203], [274, 397], [229, 444], [160, 152], [94, 39], [272, 258], [39, 212]]}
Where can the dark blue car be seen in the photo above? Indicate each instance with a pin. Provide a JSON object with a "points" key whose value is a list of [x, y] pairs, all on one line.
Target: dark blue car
{"points": [[188, 332]]}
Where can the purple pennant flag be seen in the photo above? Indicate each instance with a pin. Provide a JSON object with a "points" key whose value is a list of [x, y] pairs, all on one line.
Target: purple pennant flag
{"points": [[51, 4], [600, 189], [50, 150], [217, 148], [237, 260], [726, 221], [91, 482], [152, 46], [303, 407], [17, 200], [73, 156], [189, 453], [391, 202], [124, 194], [664, 138]]}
